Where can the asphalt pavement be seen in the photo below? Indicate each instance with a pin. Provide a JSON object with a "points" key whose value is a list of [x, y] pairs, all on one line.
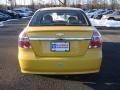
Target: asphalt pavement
{"points": [[12, 79]]}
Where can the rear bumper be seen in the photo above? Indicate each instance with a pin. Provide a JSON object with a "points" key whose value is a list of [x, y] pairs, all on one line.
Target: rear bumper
{"points": [[89, 63], [59, 73], [60, 67]]}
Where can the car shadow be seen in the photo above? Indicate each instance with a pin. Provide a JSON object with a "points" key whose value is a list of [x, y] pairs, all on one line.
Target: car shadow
{"points": [[108, 78]]}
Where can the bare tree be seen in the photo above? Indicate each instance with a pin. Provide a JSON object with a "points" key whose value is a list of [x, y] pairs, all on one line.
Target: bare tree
{"points": [[32, 4], [63, 3], [94, 4], [113, 4], [12, 3], [89, 4]]}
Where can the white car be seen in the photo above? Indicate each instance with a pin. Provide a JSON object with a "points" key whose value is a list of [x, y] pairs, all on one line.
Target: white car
{"points": [[114, 16], [24, 11], [92, 14], [89, 13], [99, 16]]}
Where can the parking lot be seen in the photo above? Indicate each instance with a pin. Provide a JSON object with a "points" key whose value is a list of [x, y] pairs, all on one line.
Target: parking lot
{"points": [[12, 79]]}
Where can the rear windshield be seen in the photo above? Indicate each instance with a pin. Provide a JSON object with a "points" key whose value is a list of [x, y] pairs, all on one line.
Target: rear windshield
{"points": [[60, 18]]}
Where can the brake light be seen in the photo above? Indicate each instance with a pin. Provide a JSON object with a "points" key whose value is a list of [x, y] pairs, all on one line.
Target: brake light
{"points": [[96, 41], [24, 41]]}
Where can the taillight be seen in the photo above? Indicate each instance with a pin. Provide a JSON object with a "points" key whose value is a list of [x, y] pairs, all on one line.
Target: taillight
{"points": [[96, 40], [24, 41]]}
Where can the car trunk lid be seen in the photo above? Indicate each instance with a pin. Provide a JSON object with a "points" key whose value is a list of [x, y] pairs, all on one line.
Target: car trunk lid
{"points": [[69, 40]]}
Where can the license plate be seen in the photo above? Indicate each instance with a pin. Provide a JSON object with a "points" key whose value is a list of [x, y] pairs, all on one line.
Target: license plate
{"points": [[60, 46]]}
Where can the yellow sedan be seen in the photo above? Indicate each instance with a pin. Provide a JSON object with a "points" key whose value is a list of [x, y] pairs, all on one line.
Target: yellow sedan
{"points": [[59, 40]]}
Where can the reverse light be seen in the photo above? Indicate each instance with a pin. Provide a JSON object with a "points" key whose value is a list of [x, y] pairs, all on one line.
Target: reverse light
{"points": [[24, 41], [96, 40]]}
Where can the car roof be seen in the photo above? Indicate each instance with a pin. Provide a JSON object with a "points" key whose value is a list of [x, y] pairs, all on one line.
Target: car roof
{"points": [[59, 8]]}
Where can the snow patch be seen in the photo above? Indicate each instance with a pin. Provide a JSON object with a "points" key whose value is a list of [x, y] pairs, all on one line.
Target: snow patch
{"points": [[106, 23], [12, 20]]}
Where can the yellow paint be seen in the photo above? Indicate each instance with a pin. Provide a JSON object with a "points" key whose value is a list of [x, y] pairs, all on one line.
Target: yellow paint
{"points": [[41, 60], [89, 63]]}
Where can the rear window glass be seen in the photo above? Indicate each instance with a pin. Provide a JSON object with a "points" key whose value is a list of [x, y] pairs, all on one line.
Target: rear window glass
{"points": [[59, 18]]}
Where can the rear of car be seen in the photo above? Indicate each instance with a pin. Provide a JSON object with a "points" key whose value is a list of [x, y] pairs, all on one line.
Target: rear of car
{"points": [[60, 41]]}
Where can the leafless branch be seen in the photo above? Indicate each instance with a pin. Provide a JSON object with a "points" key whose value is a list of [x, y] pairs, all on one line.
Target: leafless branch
{"points": [[61, 2]]}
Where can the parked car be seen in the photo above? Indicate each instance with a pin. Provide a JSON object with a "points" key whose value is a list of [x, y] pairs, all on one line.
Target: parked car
{"points": [[114, 16], [4, 17], [15, 15], [99, 16], [28, 11], [11, 14], [90, 13], [98, 13], [60, 40], [95, 13], [22, 13]]}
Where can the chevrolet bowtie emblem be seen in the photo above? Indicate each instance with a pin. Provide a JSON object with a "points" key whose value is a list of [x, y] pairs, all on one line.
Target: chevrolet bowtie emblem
{"points": [[60, 34]]}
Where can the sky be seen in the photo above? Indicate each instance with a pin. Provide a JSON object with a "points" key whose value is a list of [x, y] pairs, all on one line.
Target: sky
{"points": [[28, 1]]}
